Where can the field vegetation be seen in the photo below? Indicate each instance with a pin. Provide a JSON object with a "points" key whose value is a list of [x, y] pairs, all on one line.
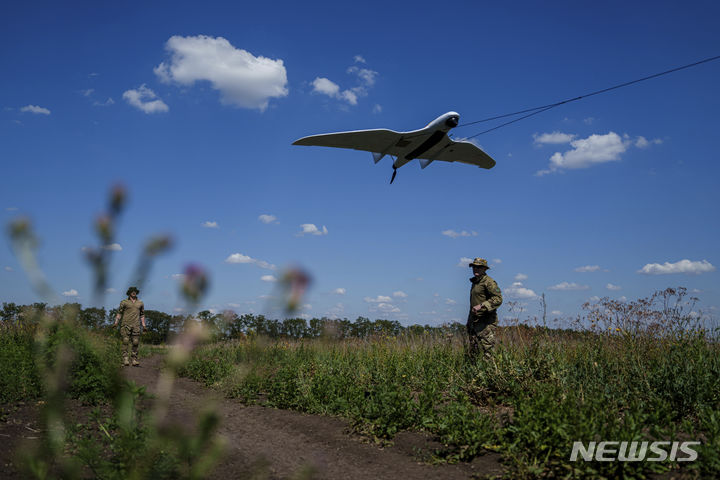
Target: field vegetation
{"points": [[644, 370]]}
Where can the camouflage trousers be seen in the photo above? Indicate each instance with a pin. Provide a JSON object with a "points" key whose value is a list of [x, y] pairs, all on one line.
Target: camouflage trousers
{"points": [[481, 335], [130, 336]]}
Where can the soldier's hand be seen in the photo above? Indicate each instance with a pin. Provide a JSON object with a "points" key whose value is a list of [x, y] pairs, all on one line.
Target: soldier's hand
{"points": [[478, 308]]}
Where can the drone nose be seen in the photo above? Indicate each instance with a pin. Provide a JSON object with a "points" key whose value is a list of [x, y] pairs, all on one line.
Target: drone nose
{"points": [[452, 122]]}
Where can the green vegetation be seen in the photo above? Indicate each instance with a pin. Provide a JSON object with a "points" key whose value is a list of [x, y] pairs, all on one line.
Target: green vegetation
{"points": [[36, 340], [639, 371], [50, 354]]}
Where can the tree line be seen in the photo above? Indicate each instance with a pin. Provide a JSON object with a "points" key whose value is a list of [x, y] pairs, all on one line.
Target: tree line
{"points": [[226, 325]]}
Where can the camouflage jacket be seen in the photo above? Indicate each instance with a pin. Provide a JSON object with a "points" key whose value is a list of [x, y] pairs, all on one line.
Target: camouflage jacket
{"points": [[485, 291], [131, 312]]}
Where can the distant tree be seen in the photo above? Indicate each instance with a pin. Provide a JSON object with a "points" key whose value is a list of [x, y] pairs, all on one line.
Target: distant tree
{"points": [[158, 327], [417, 329], [212, 322], [387, 327], [362, 327], [10, 312], [294, 327], [66, 310], [92, 318], [317, 327]]}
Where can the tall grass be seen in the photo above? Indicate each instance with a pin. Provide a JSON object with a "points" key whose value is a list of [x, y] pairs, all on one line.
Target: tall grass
{"points": [[621, 378]]}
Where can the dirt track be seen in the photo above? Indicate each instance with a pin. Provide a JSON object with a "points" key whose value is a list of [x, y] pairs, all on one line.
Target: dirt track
{"points": [[265, 443], [269, 443]]}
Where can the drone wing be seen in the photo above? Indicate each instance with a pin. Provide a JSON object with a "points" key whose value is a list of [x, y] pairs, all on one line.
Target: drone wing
{"points": [[379, 141], [463, 152]]}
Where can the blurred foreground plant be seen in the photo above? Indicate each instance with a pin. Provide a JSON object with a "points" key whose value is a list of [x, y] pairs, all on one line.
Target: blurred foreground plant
{"points": [[130, 443]]}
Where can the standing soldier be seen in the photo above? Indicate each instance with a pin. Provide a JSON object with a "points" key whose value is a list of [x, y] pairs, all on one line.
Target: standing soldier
{"points": [[132, 312], [485, 298]]}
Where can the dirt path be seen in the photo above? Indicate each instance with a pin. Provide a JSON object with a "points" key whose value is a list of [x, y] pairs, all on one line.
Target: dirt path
{"points": [[270, 443]]}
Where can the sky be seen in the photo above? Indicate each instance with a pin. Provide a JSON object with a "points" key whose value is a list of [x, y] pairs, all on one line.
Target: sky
{"points": [[193, 107]]}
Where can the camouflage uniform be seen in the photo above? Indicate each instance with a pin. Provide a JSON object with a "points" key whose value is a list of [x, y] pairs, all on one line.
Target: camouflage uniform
{"points": [[481, 326], [130, 327]]}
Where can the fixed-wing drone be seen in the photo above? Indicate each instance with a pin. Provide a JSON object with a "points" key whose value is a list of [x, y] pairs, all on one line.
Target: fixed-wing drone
{"points": [[427, 144]]}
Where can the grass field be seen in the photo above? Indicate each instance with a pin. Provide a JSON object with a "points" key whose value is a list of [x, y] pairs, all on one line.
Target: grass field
{"points": [[622, 378], [628, 371]]}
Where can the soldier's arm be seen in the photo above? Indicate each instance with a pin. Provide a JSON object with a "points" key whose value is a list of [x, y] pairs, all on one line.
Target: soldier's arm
{"points": [[142, 315], [119, 313], [495, 298]]}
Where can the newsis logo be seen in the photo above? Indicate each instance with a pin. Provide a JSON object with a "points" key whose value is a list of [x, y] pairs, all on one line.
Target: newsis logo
{"points": [[635, 451]]}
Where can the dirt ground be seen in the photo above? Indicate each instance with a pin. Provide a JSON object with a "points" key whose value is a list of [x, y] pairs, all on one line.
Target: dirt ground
{"points": [[267, 443]]}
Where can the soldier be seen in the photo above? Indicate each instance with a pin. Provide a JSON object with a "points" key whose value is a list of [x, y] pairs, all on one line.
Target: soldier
{"points": [[485, 298], [132, 313]]}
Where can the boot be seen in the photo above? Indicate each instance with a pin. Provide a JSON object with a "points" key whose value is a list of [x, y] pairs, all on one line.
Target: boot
{"points": [[126, 363], [135, 363]]}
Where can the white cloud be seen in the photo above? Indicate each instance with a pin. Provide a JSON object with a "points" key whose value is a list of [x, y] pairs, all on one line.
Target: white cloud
{"points": [[496, 261], [339, 291], [268, 278], [359, 59], [378, 299], [209, 224], [106, 103], [587, 152], [349, 96], [70, 293], [556, 312], [366, 76], [8, 269], [265, 218], [520, 277], [589, 120], [114, 247], [399, 294], [450, 301], [335, 311], [234, 305], [610, 286], [517, 290], [11, 209], [594, 298], [242, 79], [88, 92], [311, 229], [553, 138], [588, 268], [377, 108], [454, 234], [35, 109], [110, 290], [385, 308], [642, 142], [326, 87], [145, 99], [569, 286], [240, 258], [683, 266], [464, 261]]}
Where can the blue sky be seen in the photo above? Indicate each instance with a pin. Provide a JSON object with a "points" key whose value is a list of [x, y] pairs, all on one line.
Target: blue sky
{"points": [[193, 107]]}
